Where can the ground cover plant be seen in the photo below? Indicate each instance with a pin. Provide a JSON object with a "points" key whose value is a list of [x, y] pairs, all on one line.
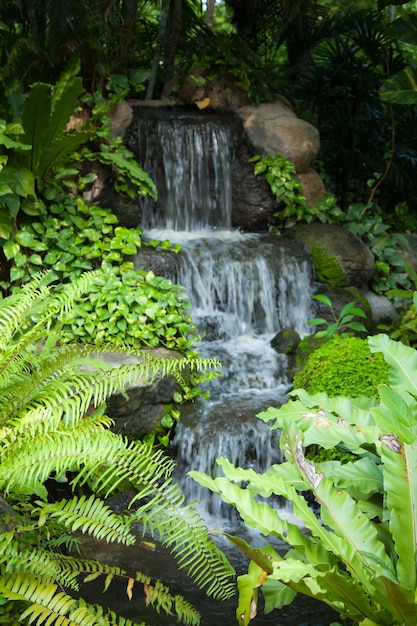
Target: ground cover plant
{"points": [[359, 553], [59, 461], [343, 367]]}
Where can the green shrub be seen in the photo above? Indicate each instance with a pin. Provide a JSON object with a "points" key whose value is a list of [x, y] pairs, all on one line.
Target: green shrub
{"points": [[124, 304], [343, 367], [133, 307]]}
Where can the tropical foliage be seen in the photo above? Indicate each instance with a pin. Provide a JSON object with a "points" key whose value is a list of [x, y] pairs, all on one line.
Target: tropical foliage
{"points": [[47, 224], [59, 461], [359, 553], [43, 156]]}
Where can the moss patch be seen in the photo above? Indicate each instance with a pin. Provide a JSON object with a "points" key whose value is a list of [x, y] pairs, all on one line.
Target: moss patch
{"points": [[343, 367], [328, 269]]}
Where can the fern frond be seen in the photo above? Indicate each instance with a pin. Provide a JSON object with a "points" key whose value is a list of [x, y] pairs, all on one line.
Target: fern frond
{"points": [[41, 592], [160, 597], [179, 527], [34, 309], [15, 558], [52, 424], [24, 470], [14, 309], [183, 532], [90, 515], [50, 606], [94, 615]]}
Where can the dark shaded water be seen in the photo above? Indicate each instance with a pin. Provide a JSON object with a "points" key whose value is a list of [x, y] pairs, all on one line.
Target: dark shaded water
{"points": [[160, 564]]}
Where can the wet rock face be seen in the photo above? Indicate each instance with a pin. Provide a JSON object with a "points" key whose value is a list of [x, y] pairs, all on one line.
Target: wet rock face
{"points": [[252, 200], [340, 258], [140, 410]]}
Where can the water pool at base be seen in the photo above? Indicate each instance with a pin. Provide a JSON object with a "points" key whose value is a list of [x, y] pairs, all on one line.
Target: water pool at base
{"points": [[160, 564]]}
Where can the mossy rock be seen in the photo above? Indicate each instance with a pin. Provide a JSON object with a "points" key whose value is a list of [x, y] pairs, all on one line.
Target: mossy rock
{"points": [[343, 367], [340, 258], [328, 268], [286, 341]]}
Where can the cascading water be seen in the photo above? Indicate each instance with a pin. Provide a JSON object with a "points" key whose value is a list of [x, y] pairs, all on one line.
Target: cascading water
{"points": [[243, 287]]}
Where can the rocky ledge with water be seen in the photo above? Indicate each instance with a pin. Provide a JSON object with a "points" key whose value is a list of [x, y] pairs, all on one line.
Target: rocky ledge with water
{"points": [[248, 289]]}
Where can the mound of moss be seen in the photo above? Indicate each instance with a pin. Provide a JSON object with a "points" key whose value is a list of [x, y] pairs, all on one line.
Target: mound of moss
{"points": [[343, 367]]}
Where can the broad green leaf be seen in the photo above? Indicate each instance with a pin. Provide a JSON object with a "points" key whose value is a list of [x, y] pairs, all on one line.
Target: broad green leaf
{"points": [[64, 146], [316, 321], [358, 327], [35, 120], [11, 249], [394, 415], [354, 540], [64, 104], [361, 478], [323, 299], [6, 223], [403, 361], [333, 586], [248, 593], [401, 88], [27, 240], [402, 602], [400, 477], [404, 28], [276, 595], [21, 180], [257, 555]]}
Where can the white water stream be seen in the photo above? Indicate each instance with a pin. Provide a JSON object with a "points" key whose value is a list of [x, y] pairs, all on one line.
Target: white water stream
{"points": [[244, 288]]}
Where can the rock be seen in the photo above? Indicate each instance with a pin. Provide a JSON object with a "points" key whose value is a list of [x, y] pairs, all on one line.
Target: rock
{"points": [[140, 410], [313, 188], [286, 341], [121, 116], [340, 258], [383, 310], [253, 204], [274, 128]]}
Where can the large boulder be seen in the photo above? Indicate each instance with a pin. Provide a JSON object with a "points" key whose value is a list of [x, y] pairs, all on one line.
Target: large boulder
{"points": [[313, 188], [274, 128], [340, 258]]}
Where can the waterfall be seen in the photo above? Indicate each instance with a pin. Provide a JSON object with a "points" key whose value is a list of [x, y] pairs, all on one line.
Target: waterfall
{"points": [[243, 287], [194, 159]]}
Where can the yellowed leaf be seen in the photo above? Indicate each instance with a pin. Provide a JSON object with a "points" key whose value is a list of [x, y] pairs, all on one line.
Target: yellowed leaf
{"points": [[147, 594], [129, 587], [203, 104]]}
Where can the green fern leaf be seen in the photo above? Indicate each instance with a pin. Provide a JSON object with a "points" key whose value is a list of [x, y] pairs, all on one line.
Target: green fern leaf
{"points": [[91, 516]]}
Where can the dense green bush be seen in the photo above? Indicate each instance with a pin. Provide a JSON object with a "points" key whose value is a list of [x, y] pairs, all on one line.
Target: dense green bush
{"points": [[133, 307], [343, 367]]}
